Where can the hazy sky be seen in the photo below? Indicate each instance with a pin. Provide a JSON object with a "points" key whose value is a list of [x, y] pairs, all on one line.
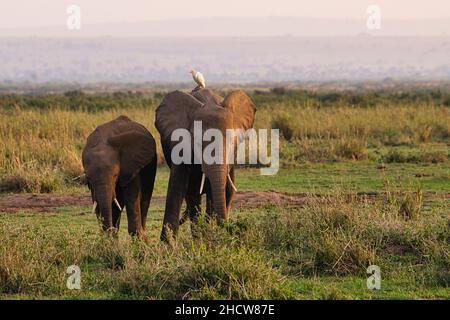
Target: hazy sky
{"points": [[26, 13]]}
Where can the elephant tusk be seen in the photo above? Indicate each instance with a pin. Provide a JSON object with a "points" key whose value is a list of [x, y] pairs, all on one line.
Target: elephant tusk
{"points": [[79, 177], [232, 184], [94, 206], [202, 183], [117, 204]]}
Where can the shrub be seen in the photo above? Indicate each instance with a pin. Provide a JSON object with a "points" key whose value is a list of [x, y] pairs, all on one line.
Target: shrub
{"points": [[403, 156], [279, 90], [32, 180], [398, 156], [425, 134], [434, 157], [411, 204], [283, 123], [352, 148]]}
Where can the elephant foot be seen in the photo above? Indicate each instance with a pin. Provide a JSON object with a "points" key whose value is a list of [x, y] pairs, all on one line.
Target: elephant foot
{"points": [[111, 232], [144, 238], [168, 236], [139, 236], [184, 218]]}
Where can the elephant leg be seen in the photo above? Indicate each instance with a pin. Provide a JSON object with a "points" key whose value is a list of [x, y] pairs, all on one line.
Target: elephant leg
{"points": [[147, 183], [193, 210], [193, 206], [176, 191], [209, 206], [229, 190], [116, 212], [132, 197], [193, 196]]}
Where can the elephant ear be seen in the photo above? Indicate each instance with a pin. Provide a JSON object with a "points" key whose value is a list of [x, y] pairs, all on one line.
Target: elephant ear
{"points": [[136, 150], [242, 107], [175, 112]]}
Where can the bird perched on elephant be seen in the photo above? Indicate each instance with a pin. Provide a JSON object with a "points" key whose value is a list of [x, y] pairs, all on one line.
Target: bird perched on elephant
{"points": [[199, 79], [188, 181], [119, 161]]}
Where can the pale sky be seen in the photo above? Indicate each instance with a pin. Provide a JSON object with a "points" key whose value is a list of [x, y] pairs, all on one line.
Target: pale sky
{"points": [[34, 13]]}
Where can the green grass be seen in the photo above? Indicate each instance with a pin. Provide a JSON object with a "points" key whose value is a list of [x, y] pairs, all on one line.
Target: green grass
{"points": [[326, 287], [319, 251], [361, 176]]}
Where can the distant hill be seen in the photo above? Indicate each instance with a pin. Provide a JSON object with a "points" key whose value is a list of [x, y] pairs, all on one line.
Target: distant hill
{"points": [[223, 60], [239, 27]]}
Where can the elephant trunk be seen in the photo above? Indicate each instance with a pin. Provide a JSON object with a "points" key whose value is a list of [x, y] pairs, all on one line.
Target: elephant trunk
{"points": [[104, 197], [217, 175]]}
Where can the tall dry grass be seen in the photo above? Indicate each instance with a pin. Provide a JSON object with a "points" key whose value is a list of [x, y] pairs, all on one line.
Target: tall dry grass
{"points": [[410, 124], [347, 133], [40, 151], [40, 148]]}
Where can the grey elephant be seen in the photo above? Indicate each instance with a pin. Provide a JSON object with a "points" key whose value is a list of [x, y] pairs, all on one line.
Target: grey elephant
{"points": [[120, 161], [189, 180]]}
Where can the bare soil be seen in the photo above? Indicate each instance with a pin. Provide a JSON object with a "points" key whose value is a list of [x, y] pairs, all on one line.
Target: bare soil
{"points": [[243, 200], [48, 202]]}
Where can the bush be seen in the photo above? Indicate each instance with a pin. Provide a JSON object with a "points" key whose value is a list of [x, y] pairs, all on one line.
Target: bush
{"points": [[33, 181], [352, 148], [283, 123], [411, 204], [434, 157], [403, 156], [398, 156]]}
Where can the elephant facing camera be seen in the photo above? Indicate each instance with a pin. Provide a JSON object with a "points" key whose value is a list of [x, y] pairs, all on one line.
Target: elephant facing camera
{"points": [[119, 162], [180, 112]]}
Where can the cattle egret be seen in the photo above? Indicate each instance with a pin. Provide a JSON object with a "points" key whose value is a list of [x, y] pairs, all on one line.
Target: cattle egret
{"points": [[198, 78]]}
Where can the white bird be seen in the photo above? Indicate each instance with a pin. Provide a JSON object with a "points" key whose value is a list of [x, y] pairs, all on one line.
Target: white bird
{"points": [[198, 78]]}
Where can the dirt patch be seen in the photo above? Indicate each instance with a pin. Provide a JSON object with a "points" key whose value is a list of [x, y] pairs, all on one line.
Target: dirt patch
{"points": [[41, 202], [242, 200], [248, 200], [48, 202]]}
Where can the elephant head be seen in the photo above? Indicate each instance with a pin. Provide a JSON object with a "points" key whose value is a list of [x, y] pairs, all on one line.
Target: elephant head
{"points": [[180, 110], [113, 155]]}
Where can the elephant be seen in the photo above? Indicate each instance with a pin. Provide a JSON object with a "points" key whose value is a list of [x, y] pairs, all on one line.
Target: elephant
{"points": [[119, 162], [189, 181]]}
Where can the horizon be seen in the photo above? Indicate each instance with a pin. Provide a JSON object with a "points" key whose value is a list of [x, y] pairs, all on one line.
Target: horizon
{"points": [[44, 13], [242, 27], [362, 18], [254, 41], [224, 60]]}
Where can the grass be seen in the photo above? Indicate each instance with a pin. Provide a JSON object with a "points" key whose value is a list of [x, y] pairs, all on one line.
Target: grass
{"points": [[318, 251], [364, 176]]}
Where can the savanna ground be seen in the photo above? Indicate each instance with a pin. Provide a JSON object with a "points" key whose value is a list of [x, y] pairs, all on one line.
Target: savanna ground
{"points": [[364, 180]]}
